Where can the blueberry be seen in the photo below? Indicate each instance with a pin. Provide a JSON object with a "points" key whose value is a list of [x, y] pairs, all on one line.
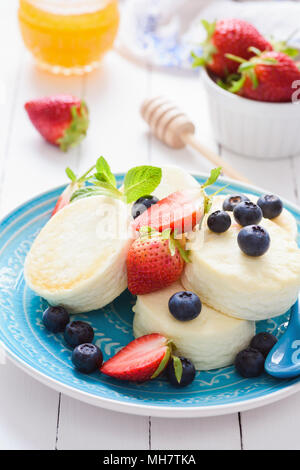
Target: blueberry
{"points": [[87, 358], [249, 363], [263, 342], [253, 240], [233, 200], [185, 305], [219, 221], [270, 205], [188, 372], [55, 319], [78, 332], [142, 204], [247, 213]]}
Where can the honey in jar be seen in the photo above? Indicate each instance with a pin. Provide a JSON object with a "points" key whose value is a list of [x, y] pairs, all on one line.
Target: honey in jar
{"points": [[68, 36]]}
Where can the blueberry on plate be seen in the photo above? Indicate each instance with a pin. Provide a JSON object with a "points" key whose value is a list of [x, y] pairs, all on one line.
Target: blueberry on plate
{"points": [[270, 205], [55, 319], [263, 342], [180, 371], [219, 221], [87, 358], [142, 204], [78, 332], [253, 240], [185, 305], [249, 363], [233, 200], [247, 213]]}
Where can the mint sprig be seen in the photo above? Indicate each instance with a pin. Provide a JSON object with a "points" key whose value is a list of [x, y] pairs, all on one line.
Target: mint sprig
{"points": [[104, 172], [139, 181]]}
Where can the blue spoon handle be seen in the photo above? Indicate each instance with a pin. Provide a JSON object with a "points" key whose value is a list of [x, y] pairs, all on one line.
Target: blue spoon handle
{"points": [[283, 361]]}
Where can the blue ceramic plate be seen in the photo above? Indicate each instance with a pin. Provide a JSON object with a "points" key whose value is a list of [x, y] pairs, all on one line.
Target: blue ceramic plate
{"points": [[46, 357]]}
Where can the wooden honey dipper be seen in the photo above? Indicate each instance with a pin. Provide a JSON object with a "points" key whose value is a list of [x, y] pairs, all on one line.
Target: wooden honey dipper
{"points": [[174, 128]]}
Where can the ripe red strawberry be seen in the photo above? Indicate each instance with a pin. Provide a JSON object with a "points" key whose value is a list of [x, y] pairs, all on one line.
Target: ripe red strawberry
{"points": [[179, 211], [233, 36], [153, 263], [142, 359], [269, 76], [62, 119]]}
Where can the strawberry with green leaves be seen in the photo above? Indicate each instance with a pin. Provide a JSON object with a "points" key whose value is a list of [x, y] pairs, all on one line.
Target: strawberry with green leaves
{"points": [[268, 76], [228, 36], [155, 260], [62, 120], [143, 359]]}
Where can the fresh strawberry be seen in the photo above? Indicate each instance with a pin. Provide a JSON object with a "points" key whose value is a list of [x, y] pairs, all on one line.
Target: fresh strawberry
{"points": [[179, 211], [233, 36], [62, 119], [154, 262], [142, 359], [269, 76]]}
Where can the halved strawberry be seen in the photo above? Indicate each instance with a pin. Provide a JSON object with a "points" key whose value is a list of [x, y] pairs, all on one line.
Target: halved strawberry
{"points": [[142, 359], [62, 120], [179, 211]]}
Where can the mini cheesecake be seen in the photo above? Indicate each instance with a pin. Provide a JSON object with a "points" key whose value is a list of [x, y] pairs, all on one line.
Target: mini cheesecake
{"points": [[78, 260], [210, 341]]}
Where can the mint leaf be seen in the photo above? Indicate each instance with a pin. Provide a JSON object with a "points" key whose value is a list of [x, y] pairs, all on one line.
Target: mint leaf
{"points": [[104, 172], [178, 369], [214, 175], [141, 181], [71, 175]]}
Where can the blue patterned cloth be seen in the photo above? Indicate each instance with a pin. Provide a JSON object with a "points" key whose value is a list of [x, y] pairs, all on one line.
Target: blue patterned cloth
{"points": [[162, 33]]}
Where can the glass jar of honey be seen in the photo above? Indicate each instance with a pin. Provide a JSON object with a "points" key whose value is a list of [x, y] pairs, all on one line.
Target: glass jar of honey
{"points": [[68, 36]]}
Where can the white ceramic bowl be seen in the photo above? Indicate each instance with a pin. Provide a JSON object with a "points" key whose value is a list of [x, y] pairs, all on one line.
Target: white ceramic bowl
{"points": [[253, 128]]}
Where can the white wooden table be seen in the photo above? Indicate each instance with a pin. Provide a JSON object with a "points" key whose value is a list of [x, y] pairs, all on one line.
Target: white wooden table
{"points": [[33, 416]]}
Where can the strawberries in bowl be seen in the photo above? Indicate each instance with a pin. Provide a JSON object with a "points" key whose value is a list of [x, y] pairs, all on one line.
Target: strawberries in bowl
{"points": [[62, 120], [226, 36], [252, 94]]}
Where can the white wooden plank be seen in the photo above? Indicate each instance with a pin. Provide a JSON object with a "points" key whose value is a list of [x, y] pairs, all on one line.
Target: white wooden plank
{"points": [[273, 427], [31, 164], [86, 427], [28, 411], [114, 94], [218, 433]]}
